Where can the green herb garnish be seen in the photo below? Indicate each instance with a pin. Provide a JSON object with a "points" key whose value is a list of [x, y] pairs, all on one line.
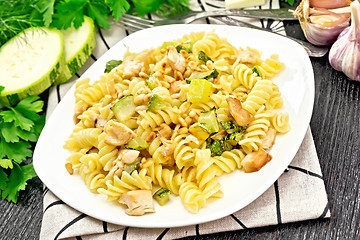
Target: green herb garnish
{"points": [[19, 125]]}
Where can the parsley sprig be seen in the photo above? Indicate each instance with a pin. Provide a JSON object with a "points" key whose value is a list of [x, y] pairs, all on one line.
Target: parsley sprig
{"points": [[19, 126], [62, 14]]}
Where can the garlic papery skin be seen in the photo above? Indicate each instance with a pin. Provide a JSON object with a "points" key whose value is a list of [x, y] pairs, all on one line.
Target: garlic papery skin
{"points": [[344, 54], [328, 4], [322, 28]]}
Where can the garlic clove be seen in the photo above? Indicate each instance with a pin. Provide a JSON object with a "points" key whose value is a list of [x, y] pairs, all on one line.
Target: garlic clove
{"points": [[328, 20], [322, 27], [344, 54], [329, 4]]}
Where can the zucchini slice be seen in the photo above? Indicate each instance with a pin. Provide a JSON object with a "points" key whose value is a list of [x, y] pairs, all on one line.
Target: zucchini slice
{"points": [[162, 196], [30, 63], [124, 108], [79, 44]]}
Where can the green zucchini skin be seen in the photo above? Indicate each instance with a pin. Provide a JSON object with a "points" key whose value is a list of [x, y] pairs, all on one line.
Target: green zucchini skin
{"points": [[76, 61], [34, 87]]}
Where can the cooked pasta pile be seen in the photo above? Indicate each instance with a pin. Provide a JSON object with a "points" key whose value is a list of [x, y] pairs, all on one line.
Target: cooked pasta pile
{"points": [[177, 117]]}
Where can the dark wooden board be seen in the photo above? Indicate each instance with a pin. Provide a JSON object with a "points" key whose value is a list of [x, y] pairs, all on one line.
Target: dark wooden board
{"points": [[335, 126]]}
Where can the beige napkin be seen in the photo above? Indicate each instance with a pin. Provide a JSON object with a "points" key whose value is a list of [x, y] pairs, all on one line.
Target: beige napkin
{"points": [[299, 194]]}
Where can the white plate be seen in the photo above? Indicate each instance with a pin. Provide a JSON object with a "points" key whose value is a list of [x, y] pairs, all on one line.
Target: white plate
{"points": [[296, 83]]}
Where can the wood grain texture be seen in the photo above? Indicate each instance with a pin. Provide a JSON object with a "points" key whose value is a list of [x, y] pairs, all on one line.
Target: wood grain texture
{"points": [[335, 126]]}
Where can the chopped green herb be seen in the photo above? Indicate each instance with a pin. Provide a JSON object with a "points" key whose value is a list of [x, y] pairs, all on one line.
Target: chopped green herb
{"points": [[110, 65], [187, 47], [203, 57], [256, 70]]}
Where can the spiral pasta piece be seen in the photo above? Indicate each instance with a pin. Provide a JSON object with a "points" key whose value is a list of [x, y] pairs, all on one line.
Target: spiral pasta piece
{"points": [[280, 122], [256, 130], [164, 177], [244, 75], [192, 197], [258, 96], [127, 182]]}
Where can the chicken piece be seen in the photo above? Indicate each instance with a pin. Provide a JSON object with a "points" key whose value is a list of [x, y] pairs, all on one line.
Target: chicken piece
{"points": [[77, 112], [117, 134], [247, 56], [167, 156], [100, 122], [176, 60], [241, 116], [219, 135], [128, 156], [131, 68], [269, 138], [175, 86], [138, 202], [255, 161], [116, 169]]}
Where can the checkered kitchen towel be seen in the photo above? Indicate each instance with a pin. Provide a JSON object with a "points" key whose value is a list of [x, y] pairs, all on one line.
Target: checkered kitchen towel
{"points": [[299, 194]]}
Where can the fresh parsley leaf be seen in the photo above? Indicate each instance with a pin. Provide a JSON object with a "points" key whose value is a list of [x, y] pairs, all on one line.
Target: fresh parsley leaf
{"points": [[13, 134], [17, 181], [146, 6], [29, 107], [173, 8], [39, 125], [68, 13], [17, 118], [118, 7], [46, 8], [290, 2], [6, 163], [100, 13], [17, 151], [3, 180]]}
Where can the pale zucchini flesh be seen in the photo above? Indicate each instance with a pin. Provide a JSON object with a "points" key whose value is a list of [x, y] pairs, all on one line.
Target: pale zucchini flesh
{"points": [[30, 63], [79, 44]]}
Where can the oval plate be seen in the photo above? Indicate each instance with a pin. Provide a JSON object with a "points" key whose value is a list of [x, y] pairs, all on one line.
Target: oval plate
{"points": [[296, 83]]}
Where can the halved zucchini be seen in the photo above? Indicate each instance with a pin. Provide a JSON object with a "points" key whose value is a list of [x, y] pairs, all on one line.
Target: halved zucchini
{"points": [[30, 63]]}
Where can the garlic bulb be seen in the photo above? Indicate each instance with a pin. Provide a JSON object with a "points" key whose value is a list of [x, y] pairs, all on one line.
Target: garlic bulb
{"points": [[321, 26], [344, 54]]}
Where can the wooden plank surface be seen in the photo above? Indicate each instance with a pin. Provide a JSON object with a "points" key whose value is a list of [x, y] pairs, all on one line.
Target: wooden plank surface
{"points": [[335, 126]]}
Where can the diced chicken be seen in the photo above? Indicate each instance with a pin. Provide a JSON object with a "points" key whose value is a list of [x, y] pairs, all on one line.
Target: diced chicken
{"points": [[131, 68], [128, 156], [77, 112], [256, 160], [219, 135], [176, 60], [100, 122], [241, 116], [166, 152], [117, 134], [247, 56], [138, 202], [116, 169], [269, 138], [175, 86]]}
